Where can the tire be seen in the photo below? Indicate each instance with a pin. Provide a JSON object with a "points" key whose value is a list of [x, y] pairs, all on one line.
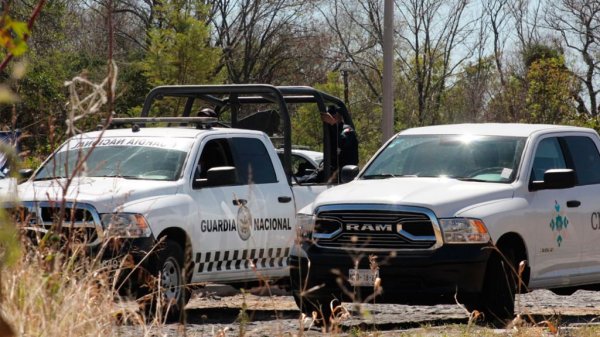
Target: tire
{"points": [[171, 293], [497, 299]]}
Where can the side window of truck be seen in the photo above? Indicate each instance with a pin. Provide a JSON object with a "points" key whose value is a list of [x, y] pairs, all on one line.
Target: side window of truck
{"points": [[586, 159], [252, 161], [548, 155], [215, 153]]}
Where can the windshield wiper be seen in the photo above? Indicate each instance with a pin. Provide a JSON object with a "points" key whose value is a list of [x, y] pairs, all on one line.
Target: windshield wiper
{"points": [[47, 178], [379, 176], [117, 176], [387, 175], [131, 177], [472, 179]]}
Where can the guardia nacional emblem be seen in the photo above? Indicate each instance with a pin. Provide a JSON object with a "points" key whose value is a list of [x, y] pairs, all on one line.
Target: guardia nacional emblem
{"points": [[244, 220]]}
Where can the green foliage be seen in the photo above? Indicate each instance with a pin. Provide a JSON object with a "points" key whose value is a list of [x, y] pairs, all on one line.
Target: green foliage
{"points": [[133, 86], [465, 101], [540, 51], [179, 51], [13, 36], [42, 100], [550, 90]]}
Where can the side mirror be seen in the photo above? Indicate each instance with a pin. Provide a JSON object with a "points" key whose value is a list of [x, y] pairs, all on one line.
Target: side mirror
{"points": [[554, 179], [218, 176], [349, 172], [25, 173]]}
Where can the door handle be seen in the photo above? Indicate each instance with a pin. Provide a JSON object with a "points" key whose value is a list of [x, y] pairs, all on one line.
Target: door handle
{"points": [[573, 203], [239, 202], [284, 199]]}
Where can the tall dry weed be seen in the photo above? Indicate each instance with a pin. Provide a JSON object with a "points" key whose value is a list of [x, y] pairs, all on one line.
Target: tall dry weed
{"points": [[42, 301]]}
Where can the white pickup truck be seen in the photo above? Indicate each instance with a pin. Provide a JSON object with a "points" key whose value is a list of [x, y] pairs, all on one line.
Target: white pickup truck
{"points": [[8, 153], [440, 210], [217, 199]]}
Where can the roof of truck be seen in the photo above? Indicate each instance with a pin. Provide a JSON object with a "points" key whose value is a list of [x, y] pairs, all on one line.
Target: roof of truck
{"points": [[493, 129], [162, 132]]}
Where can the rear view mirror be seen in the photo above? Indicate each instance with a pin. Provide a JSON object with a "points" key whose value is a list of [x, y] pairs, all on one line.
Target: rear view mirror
{"points": [[349, 172], [25, 173], [218, 176], [555, 179]]}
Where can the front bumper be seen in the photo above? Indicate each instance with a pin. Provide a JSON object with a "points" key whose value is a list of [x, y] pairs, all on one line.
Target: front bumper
{"points": [[133, 251], [411, 277]]}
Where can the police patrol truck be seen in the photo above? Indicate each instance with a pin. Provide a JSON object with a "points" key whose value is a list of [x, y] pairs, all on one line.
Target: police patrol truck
{"points": [[212, 194]]}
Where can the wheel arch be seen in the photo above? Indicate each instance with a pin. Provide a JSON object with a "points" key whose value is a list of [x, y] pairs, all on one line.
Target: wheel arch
{"points": [[181, 237], [176, 234], [516, 243]]}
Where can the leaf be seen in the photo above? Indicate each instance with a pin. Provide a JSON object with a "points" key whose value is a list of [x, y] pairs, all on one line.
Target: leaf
{"points": [[19, 48], [19, 28]]}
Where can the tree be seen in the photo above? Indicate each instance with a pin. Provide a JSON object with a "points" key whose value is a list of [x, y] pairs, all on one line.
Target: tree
{"points": [[578, 23], [259, 38], [357, 28], [467, 99], [436, 28], [551, 87], [179, 52]]}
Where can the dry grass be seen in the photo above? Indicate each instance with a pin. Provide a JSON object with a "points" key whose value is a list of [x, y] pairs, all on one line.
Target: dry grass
{"points": [[50, 298], [45, 297]]}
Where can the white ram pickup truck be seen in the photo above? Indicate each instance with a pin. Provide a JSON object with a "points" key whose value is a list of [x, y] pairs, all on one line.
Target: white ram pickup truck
{"points": [[453, 210], [218, 200]]}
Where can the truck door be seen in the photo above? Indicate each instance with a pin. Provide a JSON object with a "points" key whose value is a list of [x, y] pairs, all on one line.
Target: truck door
{"points": [[585, 160], [270, 201], [221, 249], [555, 225], [243, 231]]}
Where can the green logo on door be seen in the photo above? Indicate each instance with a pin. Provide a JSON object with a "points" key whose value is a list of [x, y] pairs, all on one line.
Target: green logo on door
{"points": [[559, 224]]}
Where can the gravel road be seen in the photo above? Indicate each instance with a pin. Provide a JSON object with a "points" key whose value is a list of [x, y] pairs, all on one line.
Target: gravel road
{"points": [[215, 311]]}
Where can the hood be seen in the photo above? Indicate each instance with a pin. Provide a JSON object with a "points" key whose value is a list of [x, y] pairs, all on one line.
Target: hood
{"points": [[105, 194], [443, 196]]}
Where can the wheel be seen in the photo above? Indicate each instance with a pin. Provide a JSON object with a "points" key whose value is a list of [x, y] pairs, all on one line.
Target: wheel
{"points": [[497, 299], [171, 294]]}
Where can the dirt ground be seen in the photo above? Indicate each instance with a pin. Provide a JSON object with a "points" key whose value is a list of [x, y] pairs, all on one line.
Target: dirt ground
{"points": [[218, 310]]}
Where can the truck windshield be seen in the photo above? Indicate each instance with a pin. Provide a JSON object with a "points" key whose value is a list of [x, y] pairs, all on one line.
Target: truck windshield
{"points": [[464, 157], [130, 162]]}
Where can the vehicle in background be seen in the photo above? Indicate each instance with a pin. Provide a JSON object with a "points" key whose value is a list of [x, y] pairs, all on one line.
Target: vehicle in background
{"points": [[304, 162], [8, 183]]}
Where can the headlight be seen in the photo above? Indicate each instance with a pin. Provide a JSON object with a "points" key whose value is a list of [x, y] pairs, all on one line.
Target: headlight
{"points": [[464, 230], [126, 225], [306, 224]]}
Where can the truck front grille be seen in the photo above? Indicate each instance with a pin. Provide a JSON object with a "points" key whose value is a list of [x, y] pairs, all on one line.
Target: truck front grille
{"points": [[80, 223], [376, 227]]}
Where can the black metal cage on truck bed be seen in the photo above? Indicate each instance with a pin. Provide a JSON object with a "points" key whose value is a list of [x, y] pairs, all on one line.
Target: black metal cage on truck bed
{"points": [[233, 97]]}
